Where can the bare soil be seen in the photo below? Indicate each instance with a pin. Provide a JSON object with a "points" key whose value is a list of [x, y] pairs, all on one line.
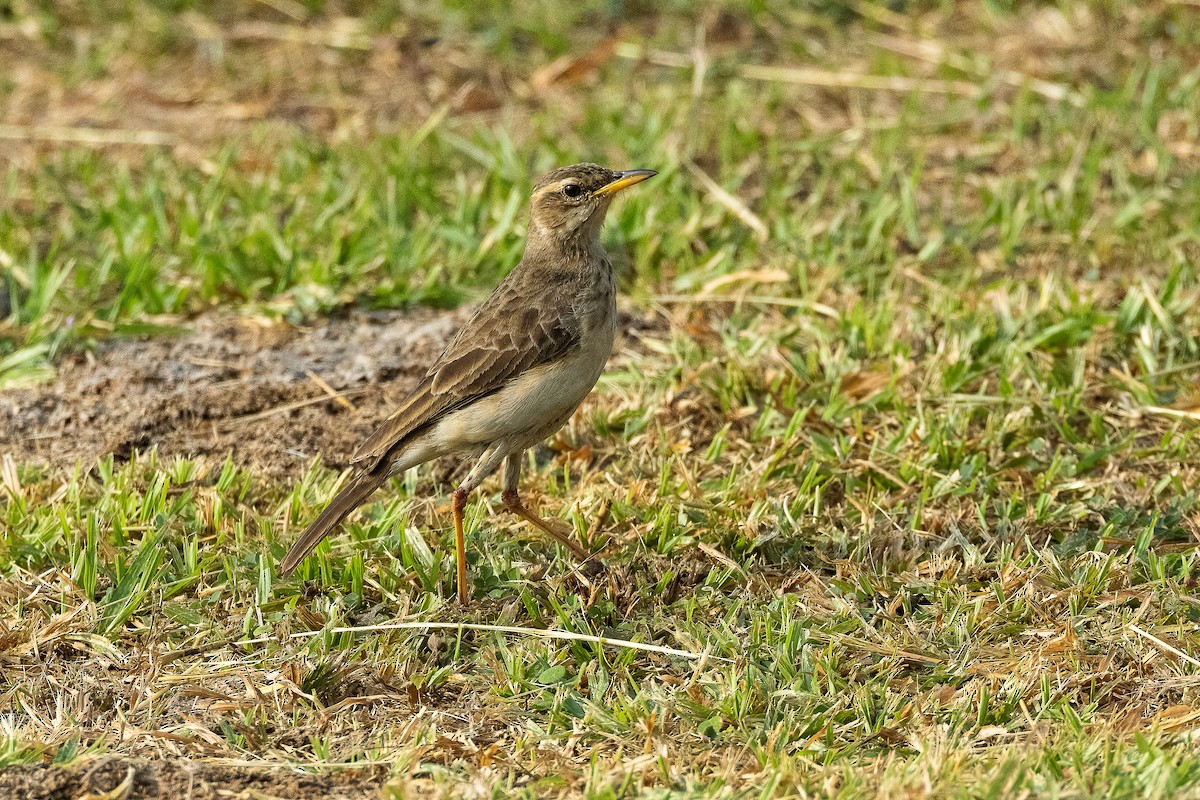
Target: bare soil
{"points": [[148, 780], [231, 385], [273, 395]]}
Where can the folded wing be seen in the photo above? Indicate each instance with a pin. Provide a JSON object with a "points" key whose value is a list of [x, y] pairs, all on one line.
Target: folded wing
{"points": [[510, 333]]}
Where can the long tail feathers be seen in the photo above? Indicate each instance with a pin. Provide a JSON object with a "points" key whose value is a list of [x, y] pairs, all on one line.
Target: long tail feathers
{"points": [[359, 489]]}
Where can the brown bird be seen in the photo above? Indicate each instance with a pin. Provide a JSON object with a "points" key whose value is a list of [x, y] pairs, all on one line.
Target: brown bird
{"points": [[516, 371]]}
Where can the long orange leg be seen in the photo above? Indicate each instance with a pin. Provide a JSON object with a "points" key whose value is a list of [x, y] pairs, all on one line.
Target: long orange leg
{"points": [[512, 502], [460, 545]]}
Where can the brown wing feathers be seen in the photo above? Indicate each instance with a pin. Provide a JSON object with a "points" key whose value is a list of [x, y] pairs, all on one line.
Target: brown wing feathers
{"points": [[486, 354]]}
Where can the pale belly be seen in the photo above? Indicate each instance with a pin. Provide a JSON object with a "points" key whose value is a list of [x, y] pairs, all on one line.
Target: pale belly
{"points": [[532, 406]]}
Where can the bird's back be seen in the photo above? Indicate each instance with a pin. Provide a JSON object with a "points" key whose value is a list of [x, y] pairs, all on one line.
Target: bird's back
{"points": [[542, 312]]}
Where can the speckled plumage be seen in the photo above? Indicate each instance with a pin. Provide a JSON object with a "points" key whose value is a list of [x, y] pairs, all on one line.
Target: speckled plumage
{"points": [[519, 367]]}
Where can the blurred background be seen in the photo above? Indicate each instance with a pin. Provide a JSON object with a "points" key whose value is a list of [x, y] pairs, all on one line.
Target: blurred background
{"points": [[296, 157]]}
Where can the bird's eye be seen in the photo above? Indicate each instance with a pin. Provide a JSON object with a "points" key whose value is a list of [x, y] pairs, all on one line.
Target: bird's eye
{"points": [[572, 190]]}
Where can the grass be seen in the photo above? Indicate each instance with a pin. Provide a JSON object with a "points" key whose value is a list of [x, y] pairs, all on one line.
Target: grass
{"points": [[915, 472]]}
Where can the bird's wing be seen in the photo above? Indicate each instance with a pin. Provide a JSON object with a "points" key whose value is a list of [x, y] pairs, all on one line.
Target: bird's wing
{"points": [[518, 327]]}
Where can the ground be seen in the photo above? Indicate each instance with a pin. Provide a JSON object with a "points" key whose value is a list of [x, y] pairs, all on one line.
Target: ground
{"points": [[891, 477], [118, 778], [229, 386]]}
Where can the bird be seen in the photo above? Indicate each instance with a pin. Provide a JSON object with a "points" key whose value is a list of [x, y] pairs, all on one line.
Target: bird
{"points": [[514, 373]]}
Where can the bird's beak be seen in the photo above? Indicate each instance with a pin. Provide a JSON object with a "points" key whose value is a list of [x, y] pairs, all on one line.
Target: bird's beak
{"points": [[627, 178]]}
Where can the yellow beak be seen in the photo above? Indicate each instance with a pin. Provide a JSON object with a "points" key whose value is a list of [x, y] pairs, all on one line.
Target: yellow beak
{"points": [[627, 178]]}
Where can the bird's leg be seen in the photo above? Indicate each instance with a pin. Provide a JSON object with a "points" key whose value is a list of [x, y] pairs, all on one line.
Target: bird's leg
{"points": [[460, 545], [487, 461], [512, 502]]}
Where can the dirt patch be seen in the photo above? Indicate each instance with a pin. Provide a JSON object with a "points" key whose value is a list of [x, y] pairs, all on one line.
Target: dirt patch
{"points": [[259, 391], [181, 779], [229, 386]]}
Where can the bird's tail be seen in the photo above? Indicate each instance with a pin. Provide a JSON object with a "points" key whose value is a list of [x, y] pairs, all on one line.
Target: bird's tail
{"points": [[361, 487]]}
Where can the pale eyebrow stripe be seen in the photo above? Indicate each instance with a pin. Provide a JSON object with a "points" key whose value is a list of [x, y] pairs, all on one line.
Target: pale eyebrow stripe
{"points": [[556, 186]]}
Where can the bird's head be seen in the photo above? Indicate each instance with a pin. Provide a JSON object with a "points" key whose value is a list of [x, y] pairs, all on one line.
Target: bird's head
{"points": [[570, 202]]}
